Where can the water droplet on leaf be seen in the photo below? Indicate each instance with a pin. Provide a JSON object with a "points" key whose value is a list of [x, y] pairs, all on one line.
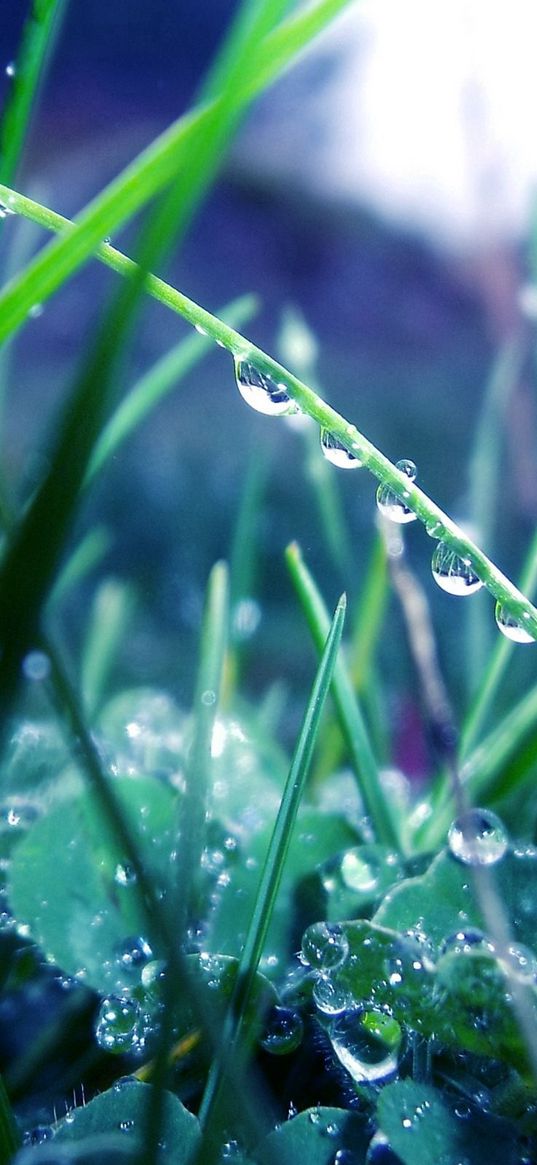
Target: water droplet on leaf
{"points": [[390, 504], [324, 947], [366, 1042], [478, 838], [337, 453], [513, 626], [261, 391], [116, 1025], [452, 573], [283, 1032], [36, 666]]}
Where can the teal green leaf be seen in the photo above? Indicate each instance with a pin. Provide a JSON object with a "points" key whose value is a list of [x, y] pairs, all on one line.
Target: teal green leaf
{"points": [[441, 901], [73, 890], [424, 1127], [315, 1137], [122, 1110], [317, 836]]}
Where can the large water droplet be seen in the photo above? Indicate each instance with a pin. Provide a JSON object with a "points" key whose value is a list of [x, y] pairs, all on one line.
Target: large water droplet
{"points": [[324, 947], [469, 939], [134, 953], [452, 573], [283, 1032], [366, 1042], [261, 392], [478, 838], [11, 69], [513, 626], [330, 996], [336, 453], [390, 504], [36, 666], [116, 1026]]}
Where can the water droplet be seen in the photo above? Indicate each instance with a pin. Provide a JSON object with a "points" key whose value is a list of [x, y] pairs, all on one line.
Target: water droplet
{"points": [[36, 666], [134, 953], [116, 1025], [200, 329], [208, 697], [36, 311], [330, 996], [6, 210], [462, 941], [126, 1126], [283, 1032], [478, 838], [38, 1135], [124, 875], [324, 947], [452, 573], [523, 961], [11, 69], [513, 626], [261, 392], [390, 504], [366, 1042], [380, 1152], [346, 1157], [336, 452]]}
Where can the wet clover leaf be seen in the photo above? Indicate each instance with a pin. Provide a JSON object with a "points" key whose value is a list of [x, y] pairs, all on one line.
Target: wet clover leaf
{"points": [[422, 1125], [77, 895], [441, 902], [122, 1111], [319, 1136]]}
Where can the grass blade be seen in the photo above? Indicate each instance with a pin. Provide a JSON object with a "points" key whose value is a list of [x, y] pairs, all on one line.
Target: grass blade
{"points": [[483, 487], [497, 666], [84, 558], [152, 171], [38, 38], [233, 1035], [350, 716], [214, 633], [111, 613]]}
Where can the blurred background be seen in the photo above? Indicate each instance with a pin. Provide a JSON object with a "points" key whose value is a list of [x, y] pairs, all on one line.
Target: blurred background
{"points": [[381, 199]]}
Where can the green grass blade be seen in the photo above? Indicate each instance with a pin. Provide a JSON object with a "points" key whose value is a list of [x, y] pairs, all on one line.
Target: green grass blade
{"points": [[214, 633], [85, 556], [38, 38], [350, 716], [497, 666], [111, 613], [484, 477], [251, 23], [152, 171], [161, 379], [10, 1139], [367, 625], [233, 1034], [437, 523]]}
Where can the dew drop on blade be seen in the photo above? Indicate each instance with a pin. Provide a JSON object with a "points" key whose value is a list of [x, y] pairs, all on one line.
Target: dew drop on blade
{"points": [[452, 573], [283, 1032], [336, 453], [324, 946], [478, 838], [393, 507], [512, 626], [261, 391], [390, 504]]}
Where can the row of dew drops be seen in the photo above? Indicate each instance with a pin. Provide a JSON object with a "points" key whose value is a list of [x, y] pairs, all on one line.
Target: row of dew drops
{"points": [[453, 573]]}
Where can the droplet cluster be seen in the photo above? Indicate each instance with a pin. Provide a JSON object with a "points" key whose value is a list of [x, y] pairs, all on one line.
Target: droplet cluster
{"points": [[454, 573]]}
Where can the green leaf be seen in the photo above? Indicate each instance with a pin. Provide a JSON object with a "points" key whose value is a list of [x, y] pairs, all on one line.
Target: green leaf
{"points": [[441, 901], [423, 1126], [315, 1137], [74, 891], [122, 1110]]}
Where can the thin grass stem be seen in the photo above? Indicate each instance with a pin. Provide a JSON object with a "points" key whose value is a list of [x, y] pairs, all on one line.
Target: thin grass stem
{"points": [[234, 1038], [350, 716]]}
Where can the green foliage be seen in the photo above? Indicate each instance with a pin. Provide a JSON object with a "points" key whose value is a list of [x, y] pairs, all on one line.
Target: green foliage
{"points": [[174, 862]]}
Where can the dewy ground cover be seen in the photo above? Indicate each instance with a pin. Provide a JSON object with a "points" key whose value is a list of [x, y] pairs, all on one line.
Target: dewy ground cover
{"points": [[162, 868]]}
